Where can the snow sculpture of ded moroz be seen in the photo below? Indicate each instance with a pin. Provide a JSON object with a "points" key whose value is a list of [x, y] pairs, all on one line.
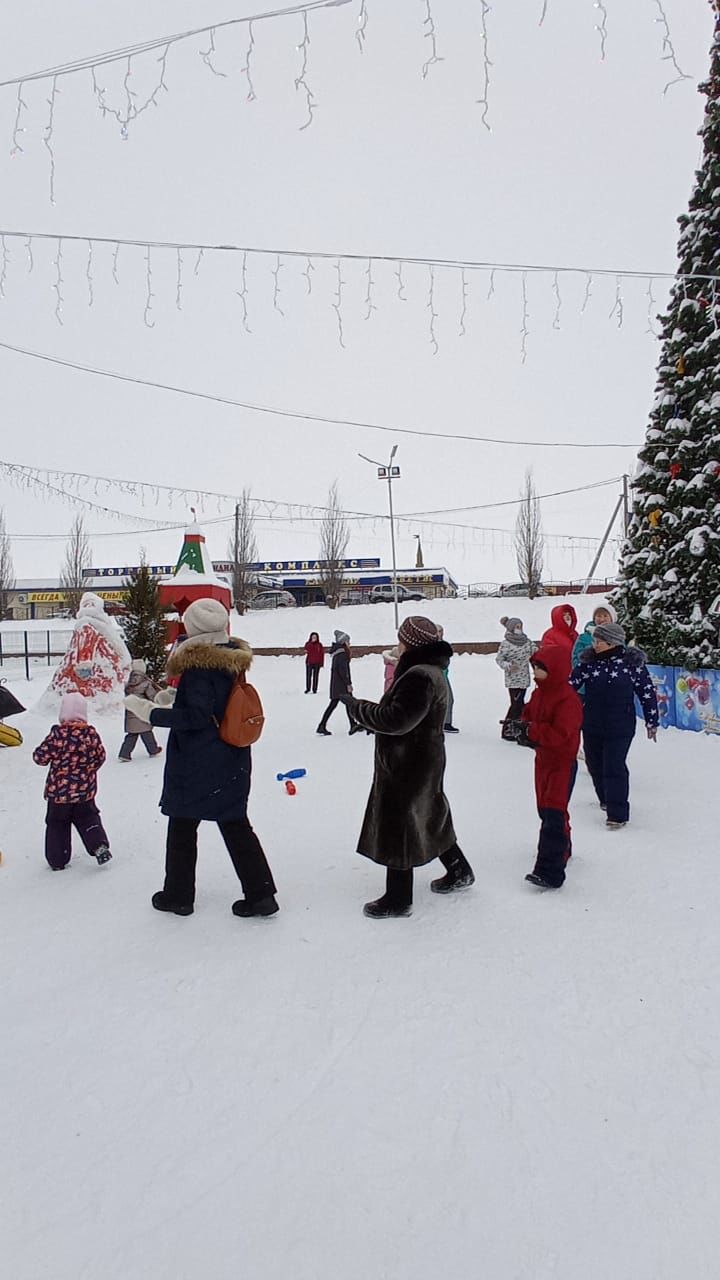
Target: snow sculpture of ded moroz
{"points": [[97, 661]]}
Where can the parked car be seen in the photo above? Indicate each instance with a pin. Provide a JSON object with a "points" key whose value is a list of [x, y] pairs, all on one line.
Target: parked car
{"points": [[273, 600], [521, 589], [386, 593]]}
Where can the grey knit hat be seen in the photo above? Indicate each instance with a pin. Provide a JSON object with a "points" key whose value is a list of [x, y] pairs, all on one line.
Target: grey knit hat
{"points": [[341, 637], [611, 632]]}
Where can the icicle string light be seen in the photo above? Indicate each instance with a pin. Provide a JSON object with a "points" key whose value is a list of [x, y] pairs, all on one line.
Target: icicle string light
{"points": [[491, 285], [58, 284], [16, 149], [463, 304], [337, 303], [179, 281], [307, 274], [242, 294], [276, 286], [116, 255], [48, 136], [531, 268], [484, 99], [362, 22], [525, 330], [149, 292], [430, 35], [89, 274], [618, 310], [301, 84], [558, 301], [668, 49], [208, 54], [402, 296], [247, 69], [588, 293], [369, 290], [651, 305], [3, 265], [601, 27], [432, 312], [28, 250]]}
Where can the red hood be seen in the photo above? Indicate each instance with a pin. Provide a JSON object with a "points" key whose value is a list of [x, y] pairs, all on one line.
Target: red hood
{"points": [[554, 659], [559, 623]]}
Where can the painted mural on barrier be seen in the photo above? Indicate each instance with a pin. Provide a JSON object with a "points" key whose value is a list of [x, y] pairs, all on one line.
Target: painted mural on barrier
{"points": [[687, 699]]}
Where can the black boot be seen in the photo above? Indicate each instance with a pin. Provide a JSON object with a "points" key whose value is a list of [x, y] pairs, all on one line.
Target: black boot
{"points": [[263, 907], [458, 875], [397, 898], [323, 731], [161, 903]]}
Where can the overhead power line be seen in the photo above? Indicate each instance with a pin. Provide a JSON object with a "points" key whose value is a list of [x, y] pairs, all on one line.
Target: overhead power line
{"points": [[303, 416]]}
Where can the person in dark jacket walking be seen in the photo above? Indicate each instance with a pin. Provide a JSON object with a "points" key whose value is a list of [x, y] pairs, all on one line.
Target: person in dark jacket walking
{"points": [[314, 661], [139, 683], [340, 682], [408, 821], [562, 632], [551, 724], [75, 752], [206, 779], [610, 676]]}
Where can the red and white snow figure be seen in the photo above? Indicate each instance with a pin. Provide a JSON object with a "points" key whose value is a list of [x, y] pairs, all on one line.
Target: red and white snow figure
{"points": [[97, 661], [194, 579]]}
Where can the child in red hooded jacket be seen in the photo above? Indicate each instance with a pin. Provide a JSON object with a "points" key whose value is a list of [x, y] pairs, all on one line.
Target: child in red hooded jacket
{"points": [[74, 751], [563, 631], [551, 724]]}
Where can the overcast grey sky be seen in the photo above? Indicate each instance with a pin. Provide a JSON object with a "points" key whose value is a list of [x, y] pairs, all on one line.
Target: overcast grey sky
{"points": [[588, 164]]}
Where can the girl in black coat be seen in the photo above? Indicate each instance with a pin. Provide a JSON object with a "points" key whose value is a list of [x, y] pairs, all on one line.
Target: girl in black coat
{"points": [[340, 682], [206, 779], [408, 820]]}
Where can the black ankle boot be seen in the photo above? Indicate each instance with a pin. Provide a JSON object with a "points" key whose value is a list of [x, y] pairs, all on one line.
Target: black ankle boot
{"points": [[459, 875], [262, 907], [384, 908], [161, 902]]}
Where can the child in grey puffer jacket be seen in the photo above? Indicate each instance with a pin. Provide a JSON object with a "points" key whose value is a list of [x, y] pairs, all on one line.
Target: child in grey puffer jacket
{"points": [[514, 657], [139, 683]]}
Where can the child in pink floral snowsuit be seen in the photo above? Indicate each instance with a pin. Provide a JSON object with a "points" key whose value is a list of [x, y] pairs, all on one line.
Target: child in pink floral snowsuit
{"points": [[74, 751]]}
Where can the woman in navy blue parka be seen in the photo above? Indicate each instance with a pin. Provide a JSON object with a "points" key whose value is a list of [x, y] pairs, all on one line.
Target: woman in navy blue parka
{"points": [[206, 779]]}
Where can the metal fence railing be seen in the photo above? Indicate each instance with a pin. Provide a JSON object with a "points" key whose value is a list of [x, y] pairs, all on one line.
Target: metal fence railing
{"points": [[32, 647]]}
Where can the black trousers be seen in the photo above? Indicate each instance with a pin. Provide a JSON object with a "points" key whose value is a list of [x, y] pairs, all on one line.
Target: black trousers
{"points": [[399, 884], [334, 702], [554, 846], [246, 854], [517, 702], [312, 672], [605, 758], [60, 819]]}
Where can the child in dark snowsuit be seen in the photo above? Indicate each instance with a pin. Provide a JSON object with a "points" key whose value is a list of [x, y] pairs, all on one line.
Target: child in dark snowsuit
{"points": [[340, 683], [75, 753], [551, 724]]}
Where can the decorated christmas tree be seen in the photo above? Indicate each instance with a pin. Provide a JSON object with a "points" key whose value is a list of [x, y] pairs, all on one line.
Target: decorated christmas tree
{"points": [[144, 621], [670, 570]]}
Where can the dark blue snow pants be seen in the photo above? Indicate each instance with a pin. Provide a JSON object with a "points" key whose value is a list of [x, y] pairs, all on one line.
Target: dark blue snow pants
{"points": [[605, 756]]}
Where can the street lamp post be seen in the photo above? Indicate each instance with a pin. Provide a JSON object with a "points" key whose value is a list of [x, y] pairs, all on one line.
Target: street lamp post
{"points": [[386, 471]]}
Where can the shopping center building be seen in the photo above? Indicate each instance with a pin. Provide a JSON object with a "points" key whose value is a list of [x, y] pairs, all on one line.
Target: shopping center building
{"points": [[44, 597]]}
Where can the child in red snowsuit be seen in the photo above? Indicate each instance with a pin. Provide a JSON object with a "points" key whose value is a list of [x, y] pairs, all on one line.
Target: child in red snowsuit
{"points": [[551, 724], [563, 631], [74, 751]]}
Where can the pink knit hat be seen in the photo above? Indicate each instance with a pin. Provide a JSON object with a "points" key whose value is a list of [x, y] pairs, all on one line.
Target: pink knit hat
{"points": [[73, 707]]}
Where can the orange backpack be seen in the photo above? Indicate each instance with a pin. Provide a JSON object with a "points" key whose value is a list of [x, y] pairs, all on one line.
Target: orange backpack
{"points": [[244, 718]]}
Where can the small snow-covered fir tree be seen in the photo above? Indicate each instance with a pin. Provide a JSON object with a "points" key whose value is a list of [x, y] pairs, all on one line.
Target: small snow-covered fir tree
{"points": [[670, 568], [144, 621]]}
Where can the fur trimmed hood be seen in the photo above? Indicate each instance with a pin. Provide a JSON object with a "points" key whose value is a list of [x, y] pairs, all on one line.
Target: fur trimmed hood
{"points": [[233, 657]]}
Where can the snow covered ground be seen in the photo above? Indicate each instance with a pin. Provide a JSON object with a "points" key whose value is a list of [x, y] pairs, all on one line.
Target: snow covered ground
{"points": [[513, 1085]]}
